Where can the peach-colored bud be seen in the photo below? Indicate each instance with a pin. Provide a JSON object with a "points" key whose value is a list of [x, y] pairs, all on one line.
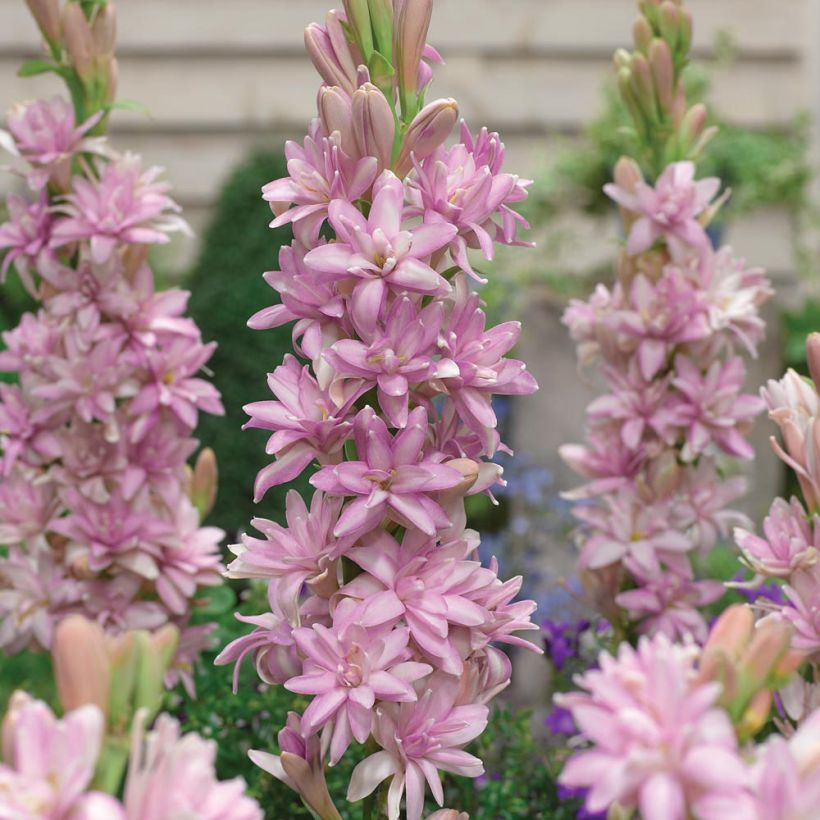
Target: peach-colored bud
{"points": [[335, 113], [46, 14], [373, 125], [732, 631], [627, 174], [642, 86], [663, 73], [104, 32], [81, 664], [17, 701], [693, 124], [335, 67], [669, 22], [664, 475], [769, 644], [755, 715], [78, 40], [429, 129], [789, 664], [813, 356], [411, 27], [469, 469], [204, 481], [642, 34]]}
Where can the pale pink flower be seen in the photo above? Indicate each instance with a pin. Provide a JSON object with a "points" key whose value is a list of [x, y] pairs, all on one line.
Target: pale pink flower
{"points": [[20, 436], [659, 316], [45, 134], [306, 421], [418, 740], [27, 507], [347, 668], [377, 254], [319, 171], [126, 205], [465, 186], [394, 356], [658, 742], [713, 410], [48, 763], [173, 775], [483, 370], [392, 478], [25, 236], [791, 540], [786, 775], [429, 586], [803, 609], [193, 641], [668, 210], [304, 552]]}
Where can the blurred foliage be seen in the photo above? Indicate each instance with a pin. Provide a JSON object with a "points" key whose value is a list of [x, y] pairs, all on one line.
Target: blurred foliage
{"points": [[227, 288], [252, 718], [797, 325]]}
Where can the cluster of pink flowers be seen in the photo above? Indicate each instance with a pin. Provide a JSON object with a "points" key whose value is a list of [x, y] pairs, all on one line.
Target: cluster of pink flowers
{"points": [[381, 611], [667, 336], [95, 430], [48, 765], [662, 741]]}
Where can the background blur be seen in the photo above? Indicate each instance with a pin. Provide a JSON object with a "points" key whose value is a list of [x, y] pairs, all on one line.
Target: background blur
{"points": [[225, 82]]}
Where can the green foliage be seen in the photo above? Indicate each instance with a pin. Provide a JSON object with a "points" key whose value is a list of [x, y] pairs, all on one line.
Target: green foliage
{"points": [[226, 289], [29, 671], [796, 327]]}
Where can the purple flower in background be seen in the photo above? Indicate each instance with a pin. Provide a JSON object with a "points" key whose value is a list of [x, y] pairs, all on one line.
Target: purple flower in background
{"points": [[562, 639]]}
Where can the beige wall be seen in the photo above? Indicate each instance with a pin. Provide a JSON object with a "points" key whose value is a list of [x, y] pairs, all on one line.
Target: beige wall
{"points": [[220, 77]]}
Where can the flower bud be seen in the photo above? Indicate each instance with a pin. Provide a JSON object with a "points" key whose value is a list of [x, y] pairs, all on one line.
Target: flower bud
{"points": [[412, 25], [104, 32], [155, 654], [17, 702], [669, 23], [111, 80], [685, 31], [755, 715], [123, 657], [449, 814], [373, 126], [335, 113], [693, 124], [627, 174], [46, 14], [643, 87], [78, 40], [81, 665], [358, 18], [732, 631], [767, 648], [642, 34], [429, 129], [663, 73], [813, 356], [335, 65], [204, 480], [381, 19]]}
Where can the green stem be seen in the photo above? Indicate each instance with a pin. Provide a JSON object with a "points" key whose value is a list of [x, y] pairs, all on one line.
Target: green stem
{"points": [[111, 766]]}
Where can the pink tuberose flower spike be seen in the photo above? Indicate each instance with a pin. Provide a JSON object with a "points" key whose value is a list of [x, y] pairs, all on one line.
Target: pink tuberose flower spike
{"points": [[667, 336], [380, 610], [97, 509]]}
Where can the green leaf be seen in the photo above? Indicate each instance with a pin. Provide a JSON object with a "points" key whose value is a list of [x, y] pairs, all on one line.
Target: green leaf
{"points": [[130, 105], [32, 68], [217, 601]]}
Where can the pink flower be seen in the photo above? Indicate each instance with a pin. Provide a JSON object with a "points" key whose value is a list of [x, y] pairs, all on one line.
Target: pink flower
{"points": [[347, 668], [713, 410], [377, 254], [668, 210], [395, 356], [319, 171], [25, 236], [803, 609], [658, 742], [430, 586], [48, 763], [44, 133], [307, 423], [126, 205], [193, 641], [668, 602], [659, 316], [417, 740], [465, 186], [791, 542], [173, 775], [393, 478], [20, 437], [304, 552], [483, 370], [26, 508], [786, 775]]}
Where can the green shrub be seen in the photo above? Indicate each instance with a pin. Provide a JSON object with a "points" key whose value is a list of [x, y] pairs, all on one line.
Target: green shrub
{"points": [[226, 289]]}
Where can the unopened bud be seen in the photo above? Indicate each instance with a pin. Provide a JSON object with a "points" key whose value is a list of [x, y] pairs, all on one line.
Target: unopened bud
{"points": [[412, 25], [643, 87], [112, 79], [335, 67], [81, 664], [664, 475], [204, 481], [755, 715], [679, 104], [78, 40], [46, 14], [813, 356], [685, 36], [622, 59], [693, 124], [669, 23], [449, 814], [769, 644], [627, 174], [732, 631], [663, 73], [642, 34], [373, 125], [335, 113], [381, 20], [358, 18], [429, 129], [155, 654], [104, 32]]}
